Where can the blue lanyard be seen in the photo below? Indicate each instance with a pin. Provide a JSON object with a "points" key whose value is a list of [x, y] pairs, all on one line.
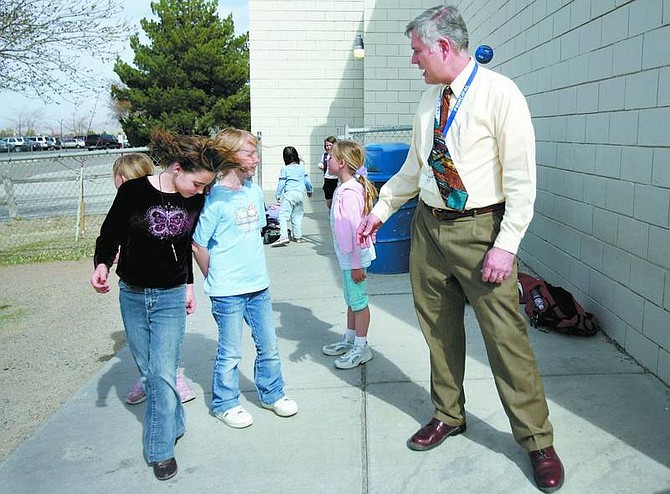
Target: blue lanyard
{"points": [[454, 110]]}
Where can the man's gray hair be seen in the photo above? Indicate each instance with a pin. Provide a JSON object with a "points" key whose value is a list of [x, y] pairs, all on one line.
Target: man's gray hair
{"points": [[440, 22]]}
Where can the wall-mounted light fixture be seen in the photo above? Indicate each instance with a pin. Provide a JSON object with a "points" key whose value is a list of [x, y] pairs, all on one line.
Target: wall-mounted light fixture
{"points": [[359, 48]]}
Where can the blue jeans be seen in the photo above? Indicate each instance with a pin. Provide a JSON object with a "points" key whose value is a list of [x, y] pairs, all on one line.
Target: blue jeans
{"points": [[155, 320], [291, 209], [229, 313]]}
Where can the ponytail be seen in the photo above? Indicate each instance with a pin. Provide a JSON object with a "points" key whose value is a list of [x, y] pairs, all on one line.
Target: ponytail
{"points": [[371, 193]]}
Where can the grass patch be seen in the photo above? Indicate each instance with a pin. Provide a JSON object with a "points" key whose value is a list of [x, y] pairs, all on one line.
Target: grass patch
{"points": [[48, 239]]}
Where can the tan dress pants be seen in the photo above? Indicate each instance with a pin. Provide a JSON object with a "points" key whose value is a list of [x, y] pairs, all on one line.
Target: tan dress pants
{"points": [[446, 259]]}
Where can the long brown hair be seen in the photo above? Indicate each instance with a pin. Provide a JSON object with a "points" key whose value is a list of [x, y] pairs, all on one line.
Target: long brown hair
{"points": [[193, 153]]}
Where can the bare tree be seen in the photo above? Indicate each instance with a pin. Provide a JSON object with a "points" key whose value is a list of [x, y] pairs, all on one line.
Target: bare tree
{"points": [[42, 41], [26, 119], [77, 125]]}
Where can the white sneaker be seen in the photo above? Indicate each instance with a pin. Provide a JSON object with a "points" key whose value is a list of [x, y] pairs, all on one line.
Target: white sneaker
{"points": [[280, 242], [236, 417], [338, 348], [284, 407], [353, 358]]}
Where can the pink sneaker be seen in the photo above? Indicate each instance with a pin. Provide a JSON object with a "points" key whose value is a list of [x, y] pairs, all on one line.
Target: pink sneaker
{"points": [[136, 395], [185, 392]]}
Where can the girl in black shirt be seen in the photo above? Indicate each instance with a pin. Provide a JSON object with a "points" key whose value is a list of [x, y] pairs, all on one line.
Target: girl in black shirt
{"points": [[152, 220]]}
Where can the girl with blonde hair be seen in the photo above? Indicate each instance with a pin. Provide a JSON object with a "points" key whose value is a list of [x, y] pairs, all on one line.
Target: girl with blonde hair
{"points": [[131, 166], [229, 250], [352, 200]]}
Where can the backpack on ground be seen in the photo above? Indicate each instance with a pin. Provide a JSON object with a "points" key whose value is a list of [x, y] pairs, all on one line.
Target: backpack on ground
{"points": [[554, 308]]}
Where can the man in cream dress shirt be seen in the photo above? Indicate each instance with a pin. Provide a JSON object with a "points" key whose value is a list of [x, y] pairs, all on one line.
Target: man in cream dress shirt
{"points": [[468, 253]]}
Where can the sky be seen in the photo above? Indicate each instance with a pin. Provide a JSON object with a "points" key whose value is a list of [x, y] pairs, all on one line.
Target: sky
{"points": [[95, 107]]}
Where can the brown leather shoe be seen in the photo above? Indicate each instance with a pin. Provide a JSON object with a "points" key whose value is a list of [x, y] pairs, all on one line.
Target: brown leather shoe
{"points": [[165, 469], [432, 434], [547, 469]]}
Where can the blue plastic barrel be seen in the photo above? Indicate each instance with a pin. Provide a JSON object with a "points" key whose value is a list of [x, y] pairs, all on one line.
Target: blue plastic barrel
{"points": [[393, 238], [385, 158]]}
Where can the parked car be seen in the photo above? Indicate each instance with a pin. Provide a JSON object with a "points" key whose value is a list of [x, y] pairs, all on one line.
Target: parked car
{"points": [[27, 146], [9, 145], [74, 142], [39, 143], [14, 143], [32, 143], [102, 141], [53, 142]]}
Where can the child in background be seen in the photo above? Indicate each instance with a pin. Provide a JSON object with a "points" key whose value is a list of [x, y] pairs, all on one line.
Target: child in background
{"points": [[229, 250], [352, 200], [293, 184], [128, 167], [329, 180]]}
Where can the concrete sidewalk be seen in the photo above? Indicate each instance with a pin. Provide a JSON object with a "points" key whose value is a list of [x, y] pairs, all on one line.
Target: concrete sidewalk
{"points": [[611, 419]]}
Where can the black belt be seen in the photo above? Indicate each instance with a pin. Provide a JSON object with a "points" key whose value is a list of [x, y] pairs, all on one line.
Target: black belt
{"points": [[448, 214]]}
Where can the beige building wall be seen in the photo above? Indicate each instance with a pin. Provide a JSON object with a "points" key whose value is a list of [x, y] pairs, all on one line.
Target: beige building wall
{"points": [[597, 78], [305, 82], [393, 86]]}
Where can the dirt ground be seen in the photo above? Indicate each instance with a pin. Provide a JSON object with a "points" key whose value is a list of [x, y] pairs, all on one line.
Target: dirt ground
{"points": [[55, 333]]}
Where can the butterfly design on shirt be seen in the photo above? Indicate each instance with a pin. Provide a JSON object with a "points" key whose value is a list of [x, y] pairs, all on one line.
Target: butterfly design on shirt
{"points": [[167, 222]]}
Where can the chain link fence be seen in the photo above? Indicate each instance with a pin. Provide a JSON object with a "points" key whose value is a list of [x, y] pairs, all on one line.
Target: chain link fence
{"points": [[53, 203], [379, 134]]}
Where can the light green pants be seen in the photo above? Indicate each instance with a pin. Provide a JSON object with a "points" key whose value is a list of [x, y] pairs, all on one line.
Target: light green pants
{"points": [[445, 270]]}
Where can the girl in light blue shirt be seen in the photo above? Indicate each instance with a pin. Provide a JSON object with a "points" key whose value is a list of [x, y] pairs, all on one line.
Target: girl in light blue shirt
{"points": [[293, 183], [228, 248]]}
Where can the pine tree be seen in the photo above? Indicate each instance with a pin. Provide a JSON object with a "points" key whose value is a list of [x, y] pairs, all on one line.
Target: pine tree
{"points": [[190, 78]]}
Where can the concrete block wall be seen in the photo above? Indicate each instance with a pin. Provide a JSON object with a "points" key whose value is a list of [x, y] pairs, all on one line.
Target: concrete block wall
{"points": [[597, 78], [305, 82], [393, 86]]}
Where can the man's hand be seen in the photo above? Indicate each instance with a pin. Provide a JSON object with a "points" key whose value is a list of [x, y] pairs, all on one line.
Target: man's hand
{"points": [[498, 265], [366, 234]]}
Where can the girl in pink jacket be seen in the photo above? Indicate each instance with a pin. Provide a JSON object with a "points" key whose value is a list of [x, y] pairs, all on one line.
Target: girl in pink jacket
{"points": [[352, 200]]}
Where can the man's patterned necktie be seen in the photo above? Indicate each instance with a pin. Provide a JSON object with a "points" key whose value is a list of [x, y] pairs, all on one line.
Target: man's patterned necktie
{"points": [[448, 181]]}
